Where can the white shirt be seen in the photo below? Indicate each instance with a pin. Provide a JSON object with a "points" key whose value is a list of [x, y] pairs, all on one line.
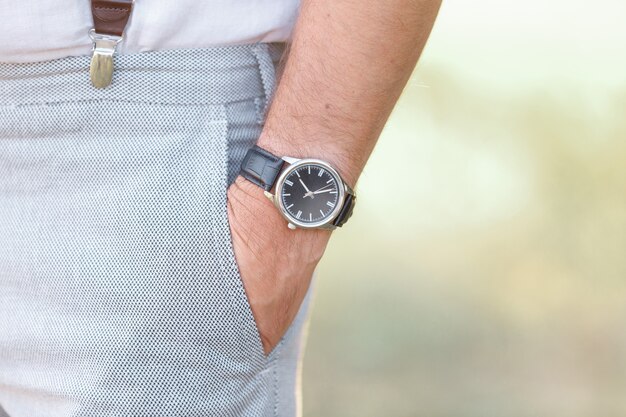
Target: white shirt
{"points": [[37, 30]]}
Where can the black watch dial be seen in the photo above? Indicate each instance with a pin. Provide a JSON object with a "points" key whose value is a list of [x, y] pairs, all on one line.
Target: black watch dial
{"points": [[310, 193]]}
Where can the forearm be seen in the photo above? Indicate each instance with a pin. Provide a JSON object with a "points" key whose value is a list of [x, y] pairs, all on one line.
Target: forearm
{"points": [[348, 63]]}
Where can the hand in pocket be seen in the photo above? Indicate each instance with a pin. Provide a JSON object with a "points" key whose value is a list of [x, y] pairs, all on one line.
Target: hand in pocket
{"points": [[275, 263]]}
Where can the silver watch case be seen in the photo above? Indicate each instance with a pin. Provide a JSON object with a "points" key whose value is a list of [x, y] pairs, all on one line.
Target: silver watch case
{"points": [[293, 223]]}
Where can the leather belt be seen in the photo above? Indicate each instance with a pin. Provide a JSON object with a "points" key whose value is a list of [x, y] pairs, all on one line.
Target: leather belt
{"points": [[110, 18]]}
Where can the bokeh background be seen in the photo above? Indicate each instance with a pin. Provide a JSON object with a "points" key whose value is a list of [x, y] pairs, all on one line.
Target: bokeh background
{"points": [[484, 271]]}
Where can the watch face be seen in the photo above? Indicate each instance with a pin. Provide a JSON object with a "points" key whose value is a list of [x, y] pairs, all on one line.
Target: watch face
{"points": [[310, 193]]}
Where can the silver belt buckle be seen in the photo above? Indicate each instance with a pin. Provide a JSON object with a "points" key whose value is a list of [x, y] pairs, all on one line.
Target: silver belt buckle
{"points": [[101, 67]]}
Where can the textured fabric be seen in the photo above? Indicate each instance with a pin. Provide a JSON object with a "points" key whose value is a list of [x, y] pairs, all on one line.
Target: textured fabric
{"points": [[119, 291], [37, 30]]}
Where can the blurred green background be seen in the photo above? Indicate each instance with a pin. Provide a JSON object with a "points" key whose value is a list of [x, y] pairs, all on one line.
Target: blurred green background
{"points": [[484, 271]]}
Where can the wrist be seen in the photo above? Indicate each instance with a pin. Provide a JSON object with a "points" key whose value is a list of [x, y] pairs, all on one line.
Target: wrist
{"points": [[248, 206], [329, 150]]}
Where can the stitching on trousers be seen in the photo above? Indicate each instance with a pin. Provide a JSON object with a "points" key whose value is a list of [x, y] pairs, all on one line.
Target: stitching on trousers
{"points": [[117, 9], [12, 106], [258, 103], [275, 373], [262, 56]]}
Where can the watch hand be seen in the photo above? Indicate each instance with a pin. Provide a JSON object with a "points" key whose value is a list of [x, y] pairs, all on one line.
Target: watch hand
{"points": [[304, 185], [322, 191], [319, 189]]}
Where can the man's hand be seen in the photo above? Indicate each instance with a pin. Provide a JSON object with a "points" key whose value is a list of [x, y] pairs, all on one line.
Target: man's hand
{"points": [[347, 65], [276, 263]]}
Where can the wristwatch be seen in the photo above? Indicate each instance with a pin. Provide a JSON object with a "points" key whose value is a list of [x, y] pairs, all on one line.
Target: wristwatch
{"points": [[309, 192]]}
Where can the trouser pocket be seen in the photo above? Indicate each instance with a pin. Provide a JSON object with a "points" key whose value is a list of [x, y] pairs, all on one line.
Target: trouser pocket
{"points": [[117, 265]]}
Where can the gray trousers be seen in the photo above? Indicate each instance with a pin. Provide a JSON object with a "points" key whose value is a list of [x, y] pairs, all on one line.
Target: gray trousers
{"points": [[119, 290]]}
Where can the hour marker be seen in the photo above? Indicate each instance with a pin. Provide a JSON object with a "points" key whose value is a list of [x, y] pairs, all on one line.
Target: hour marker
{"points": [[331, 192], [321, 172], [286, 195], [309, 169], [298, 214], [322, 212], [310, 217], [330, 204], [289, 183], [330, 180], [289, 206], [298, 174]]}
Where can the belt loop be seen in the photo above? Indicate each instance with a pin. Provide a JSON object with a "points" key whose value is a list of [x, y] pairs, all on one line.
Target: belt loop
{"points": [[110, 18], [268, 74]]}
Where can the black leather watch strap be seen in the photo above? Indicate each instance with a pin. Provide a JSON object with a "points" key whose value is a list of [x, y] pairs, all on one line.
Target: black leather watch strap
{"points": [[346, 210], [261, 167]]}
